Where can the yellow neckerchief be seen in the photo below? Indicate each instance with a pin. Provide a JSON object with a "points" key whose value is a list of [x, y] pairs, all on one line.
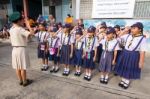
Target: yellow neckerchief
{"points": [[89, 41]]}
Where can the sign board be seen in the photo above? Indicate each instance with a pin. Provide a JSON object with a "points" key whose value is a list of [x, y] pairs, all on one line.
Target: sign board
{"points": [[113, 8]]}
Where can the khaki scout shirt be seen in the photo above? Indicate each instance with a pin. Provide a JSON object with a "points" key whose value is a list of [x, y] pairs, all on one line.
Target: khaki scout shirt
{"points": [[18, 36]]}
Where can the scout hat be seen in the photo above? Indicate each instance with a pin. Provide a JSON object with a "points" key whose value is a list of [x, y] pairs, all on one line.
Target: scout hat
{"points": [[103, 25], [110, 30], [15, 16], [79, 31], [139, 25], [117, 26], [91, 29]]}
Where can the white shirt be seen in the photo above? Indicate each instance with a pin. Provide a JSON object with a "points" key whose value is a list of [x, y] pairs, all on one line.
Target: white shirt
{"points": [[59, 34], [88, 44], [79, 45], [110, 45], [42, 36], [134, 42], [123, 38], [65, 39], [54, 42]]}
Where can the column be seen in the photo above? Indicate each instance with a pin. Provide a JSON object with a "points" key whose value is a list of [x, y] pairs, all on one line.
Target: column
{"points": [[77, 9], [25, 6]]}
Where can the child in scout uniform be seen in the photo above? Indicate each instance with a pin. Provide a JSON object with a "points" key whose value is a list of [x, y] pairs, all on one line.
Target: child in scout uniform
{"points": [[122, 39], [67, 42], [101, 35], [131, 61], [18, 37], [117, 29], [42, 36], [109, 54], [53, 48], [78, 61], [89, 52]]}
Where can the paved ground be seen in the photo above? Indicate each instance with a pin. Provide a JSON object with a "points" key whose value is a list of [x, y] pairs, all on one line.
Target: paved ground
{"points": [[55, 86]]}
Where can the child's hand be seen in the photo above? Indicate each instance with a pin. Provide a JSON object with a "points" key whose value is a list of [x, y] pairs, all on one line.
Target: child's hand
{"points": [[94, 59], [141, 65], [58, 55], [113, 62], [85, 32], [46, 51], [71, 55], [83, 56]]}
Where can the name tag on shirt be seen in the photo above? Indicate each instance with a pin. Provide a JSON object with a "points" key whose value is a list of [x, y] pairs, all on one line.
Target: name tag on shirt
{"points": [[42, 47]]}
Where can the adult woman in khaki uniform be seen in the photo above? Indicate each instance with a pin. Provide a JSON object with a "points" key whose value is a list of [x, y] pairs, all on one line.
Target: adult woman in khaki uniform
{"points": [[18, 37]]}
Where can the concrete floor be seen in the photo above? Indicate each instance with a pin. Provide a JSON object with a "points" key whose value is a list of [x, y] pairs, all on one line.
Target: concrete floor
{"points": [[55, 86]]}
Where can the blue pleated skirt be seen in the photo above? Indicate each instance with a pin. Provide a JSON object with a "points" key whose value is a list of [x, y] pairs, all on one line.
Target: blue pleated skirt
{"points": [[99, 52], [41, 53], [128, 65], [65, 54], [78, 61], [89, 63], [105, 64]]}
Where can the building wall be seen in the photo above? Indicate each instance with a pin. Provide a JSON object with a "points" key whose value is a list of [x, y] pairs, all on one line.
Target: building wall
{"points": [[61, 10], [86, 9], [141, 9]]}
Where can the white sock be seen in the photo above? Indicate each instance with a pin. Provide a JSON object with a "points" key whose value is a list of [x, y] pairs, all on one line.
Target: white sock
{"points": [[102, 76], [56, 67], [67, 69], [79, 70], [89, 74], [127, 81], [123, 79], [106, 77], [86, 74], [46, 65], [43, 65], [53, 67]]}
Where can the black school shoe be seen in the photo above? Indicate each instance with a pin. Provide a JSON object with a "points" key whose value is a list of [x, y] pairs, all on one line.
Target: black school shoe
{"points": [[115, 74], [52, 70], [42, 69], [125, 86], [79, 74], [46, 68], [105, 81], [102, 80], [56, 70], [64, 73], [121, 84], [67, 73], [89, 78], [76, 74], [85, 77], [27, 82]]}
